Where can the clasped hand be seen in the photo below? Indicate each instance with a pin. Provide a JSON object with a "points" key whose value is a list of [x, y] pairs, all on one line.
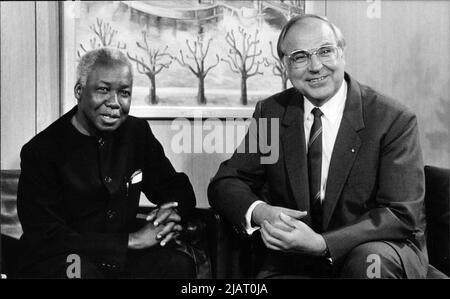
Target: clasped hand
{"points": [[162, 226], [283, 230]]}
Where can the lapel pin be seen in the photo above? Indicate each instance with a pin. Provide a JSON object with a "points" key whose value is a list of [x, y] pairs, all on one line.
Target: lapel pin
{"points": [[353, 150]]}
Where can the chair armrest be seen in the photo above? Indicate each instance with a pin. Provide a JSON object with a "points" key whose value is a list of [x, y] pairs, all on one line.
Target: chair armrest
{"points": [[233, 255], [10, 254]]}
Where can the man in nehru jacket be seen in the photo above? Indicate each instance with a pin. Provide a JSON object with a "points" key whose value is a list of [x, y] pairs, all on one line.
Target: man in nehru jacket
{"points": [[81, 180]]}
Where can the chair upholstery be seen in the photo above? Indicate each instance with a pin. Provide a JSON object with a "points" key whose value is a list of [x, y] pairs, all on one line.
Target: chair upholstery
{"points": [[437, 201], [10, 224]]}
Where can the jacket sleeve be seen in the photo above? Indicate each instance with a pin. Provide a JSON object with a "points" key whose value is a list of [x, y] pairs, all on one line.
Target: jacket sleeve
{"points": [[239, 180], [399, 202], [161, 182], [42, 213]]}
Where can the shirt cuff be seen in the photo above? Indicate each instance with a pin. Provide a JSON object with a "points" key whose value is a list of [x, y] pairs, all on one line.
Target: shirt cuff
{"points": [[248, 218]]}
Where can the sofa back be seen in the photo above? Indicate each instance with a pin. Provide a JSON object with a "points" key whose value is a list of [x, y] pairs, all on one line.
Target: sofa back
{"points": [[10, 225], [437, 202]]}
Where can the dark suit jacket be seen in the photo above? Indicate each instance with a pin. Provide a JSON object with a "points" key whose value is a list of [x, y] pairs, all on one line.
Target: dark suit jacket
{"points": [[375, 186], [75, 193]]}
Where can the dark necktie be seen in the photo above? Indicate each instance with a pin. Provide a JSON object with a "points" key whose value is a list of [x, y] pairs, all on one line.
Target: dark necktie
{"points": [[315, 170]]}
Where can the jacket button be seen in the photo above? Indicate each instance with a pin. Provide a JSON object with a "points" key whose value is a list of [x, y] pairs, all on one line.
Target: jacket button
{"points": [[108, 179], [111, 214]]}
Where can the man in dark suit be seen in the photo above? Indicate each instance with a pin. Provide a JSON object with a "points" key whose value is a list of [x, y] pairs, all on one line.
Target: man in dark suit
{"points": [[80, 185], [345, 197]]}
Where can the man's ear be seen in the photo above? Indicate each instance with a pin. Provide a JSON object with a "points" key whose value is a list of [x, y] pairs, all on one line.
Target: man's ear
{"points": [[77, 91], [343, 56]]}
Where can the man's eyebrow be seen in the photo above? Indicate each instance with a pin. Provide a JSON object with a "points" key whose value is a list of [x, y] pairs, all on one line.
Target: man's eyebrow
{"points": [[121, 86], [327, 43]]}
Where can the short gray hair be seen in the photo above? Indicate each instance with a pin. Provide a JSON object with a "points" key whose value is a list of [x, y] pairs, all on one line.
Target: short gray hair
{"points": [[101, 55], [337, 32]]}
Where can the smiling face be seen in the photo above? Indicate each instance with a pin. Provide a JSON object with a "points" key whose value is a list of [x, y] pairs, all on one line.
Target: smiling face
{"points": [[104, 101], [317, 81]]}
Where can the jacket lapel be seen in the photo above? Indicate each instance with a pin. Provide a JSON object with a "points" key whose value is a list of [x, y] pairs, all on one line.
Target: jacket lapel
{"points": [[345, 149], [293, 140]]}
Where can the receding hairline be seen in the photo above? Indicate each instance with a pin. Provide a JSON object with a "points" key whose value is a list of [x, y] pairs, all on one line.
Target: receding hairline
{"points": [[297, 20]]}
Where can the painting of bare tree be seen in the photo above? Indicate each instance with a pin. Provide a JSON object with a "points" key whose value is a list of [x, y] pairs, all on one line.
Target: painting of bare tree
{"points": [[278, 67], [105, 34], [198, 52], [157, 60], [243, 57]]}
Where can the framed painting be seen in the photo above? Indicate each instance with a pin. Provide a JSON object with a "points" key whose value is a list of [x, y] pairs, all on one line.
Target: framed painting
{"points": [[191, 58]]}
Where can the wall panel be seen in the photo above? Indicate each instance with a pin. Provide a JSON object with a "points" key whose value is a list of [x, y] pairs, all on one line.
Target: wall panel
{"points": [[47, 64], [18, 79], [200, 166], [402, 49]]}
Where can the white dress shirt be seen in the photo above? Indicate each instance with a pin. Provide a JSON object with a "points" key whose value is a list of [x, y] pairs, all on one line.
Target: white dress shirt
{"points": [[333, 111]]}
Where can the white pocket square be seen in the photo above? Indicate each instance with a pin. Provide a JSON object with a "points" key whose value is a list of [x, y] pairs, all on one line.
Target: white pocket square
{"points": [[136, 177]]}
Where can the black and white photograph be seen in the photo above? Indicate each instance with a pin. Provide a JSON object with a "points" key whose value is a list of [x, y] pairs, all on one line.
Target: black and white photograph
{"points": [[224, 147]]}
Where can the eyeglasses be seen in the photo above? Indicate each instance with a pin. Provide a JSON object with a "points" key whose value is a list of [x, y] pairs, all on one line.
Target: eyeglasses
{"points": [[300, 58]]}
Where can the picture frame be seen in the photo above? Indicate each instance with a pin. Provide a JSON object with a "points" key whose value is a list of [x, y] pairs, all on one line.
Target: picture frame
{"points": [[191, 58]]}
